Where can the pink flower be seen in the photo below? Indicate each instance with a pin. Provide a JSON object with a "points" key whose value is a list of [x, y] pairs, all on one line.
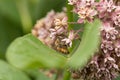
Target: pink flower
{"points": [[72, 2], [110, 5], [85, 9], [109, 32], [88, 2], [117, 48], [60, 27], [49, 19], [55, 32], [43, 33], [116, 16], [107, 46], [86, 13], [72, 36], [62, 22], [108, 58], [104, 7]]}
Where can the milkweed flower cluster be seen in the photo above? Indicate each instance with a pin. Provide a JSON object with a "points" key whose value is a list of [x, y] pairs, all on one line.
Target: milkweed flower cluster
{"points": [[85, 9], [90, 9], [53, 31], [104, 65]]}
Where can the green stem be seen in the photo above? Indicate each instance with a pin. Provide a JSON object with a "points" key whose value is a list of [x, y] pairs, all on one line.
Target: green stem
{"points": [[70, 15], [97, 0], [24, 15], [59, 74], [67, 75]]}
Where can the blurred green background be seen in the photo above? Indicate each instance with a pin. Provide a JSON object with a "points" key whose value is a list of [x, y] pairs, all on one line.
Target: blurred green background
{"points": [[17, 17]]}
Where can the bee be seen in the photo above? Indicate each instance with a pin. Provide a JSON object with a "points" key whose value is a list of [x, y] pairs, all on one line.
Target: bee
{"points": [[60, 46]]}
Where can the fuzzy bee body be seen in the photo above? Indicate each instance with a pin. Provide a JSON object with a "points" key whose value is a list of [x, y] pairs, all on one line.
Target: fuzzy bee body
{"points": [[60, 46]]}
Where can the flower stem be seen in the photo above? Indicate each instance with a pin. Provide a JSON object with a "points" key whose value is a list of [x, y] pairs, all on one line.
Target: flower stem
{"points": [[70, 15], [67, 75], [24, 15]]}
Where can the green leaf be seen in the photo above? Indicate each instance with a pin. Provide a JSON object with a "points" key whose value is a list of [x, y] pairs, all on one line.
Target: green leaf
{"points": [[118, 78], [88, 45], [8, 72], [29, 52]]}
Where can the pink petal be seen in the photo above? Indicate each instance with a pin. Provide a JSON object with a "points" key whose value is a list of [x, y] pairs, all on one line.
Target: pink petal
{"points": [[80, 20]]}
